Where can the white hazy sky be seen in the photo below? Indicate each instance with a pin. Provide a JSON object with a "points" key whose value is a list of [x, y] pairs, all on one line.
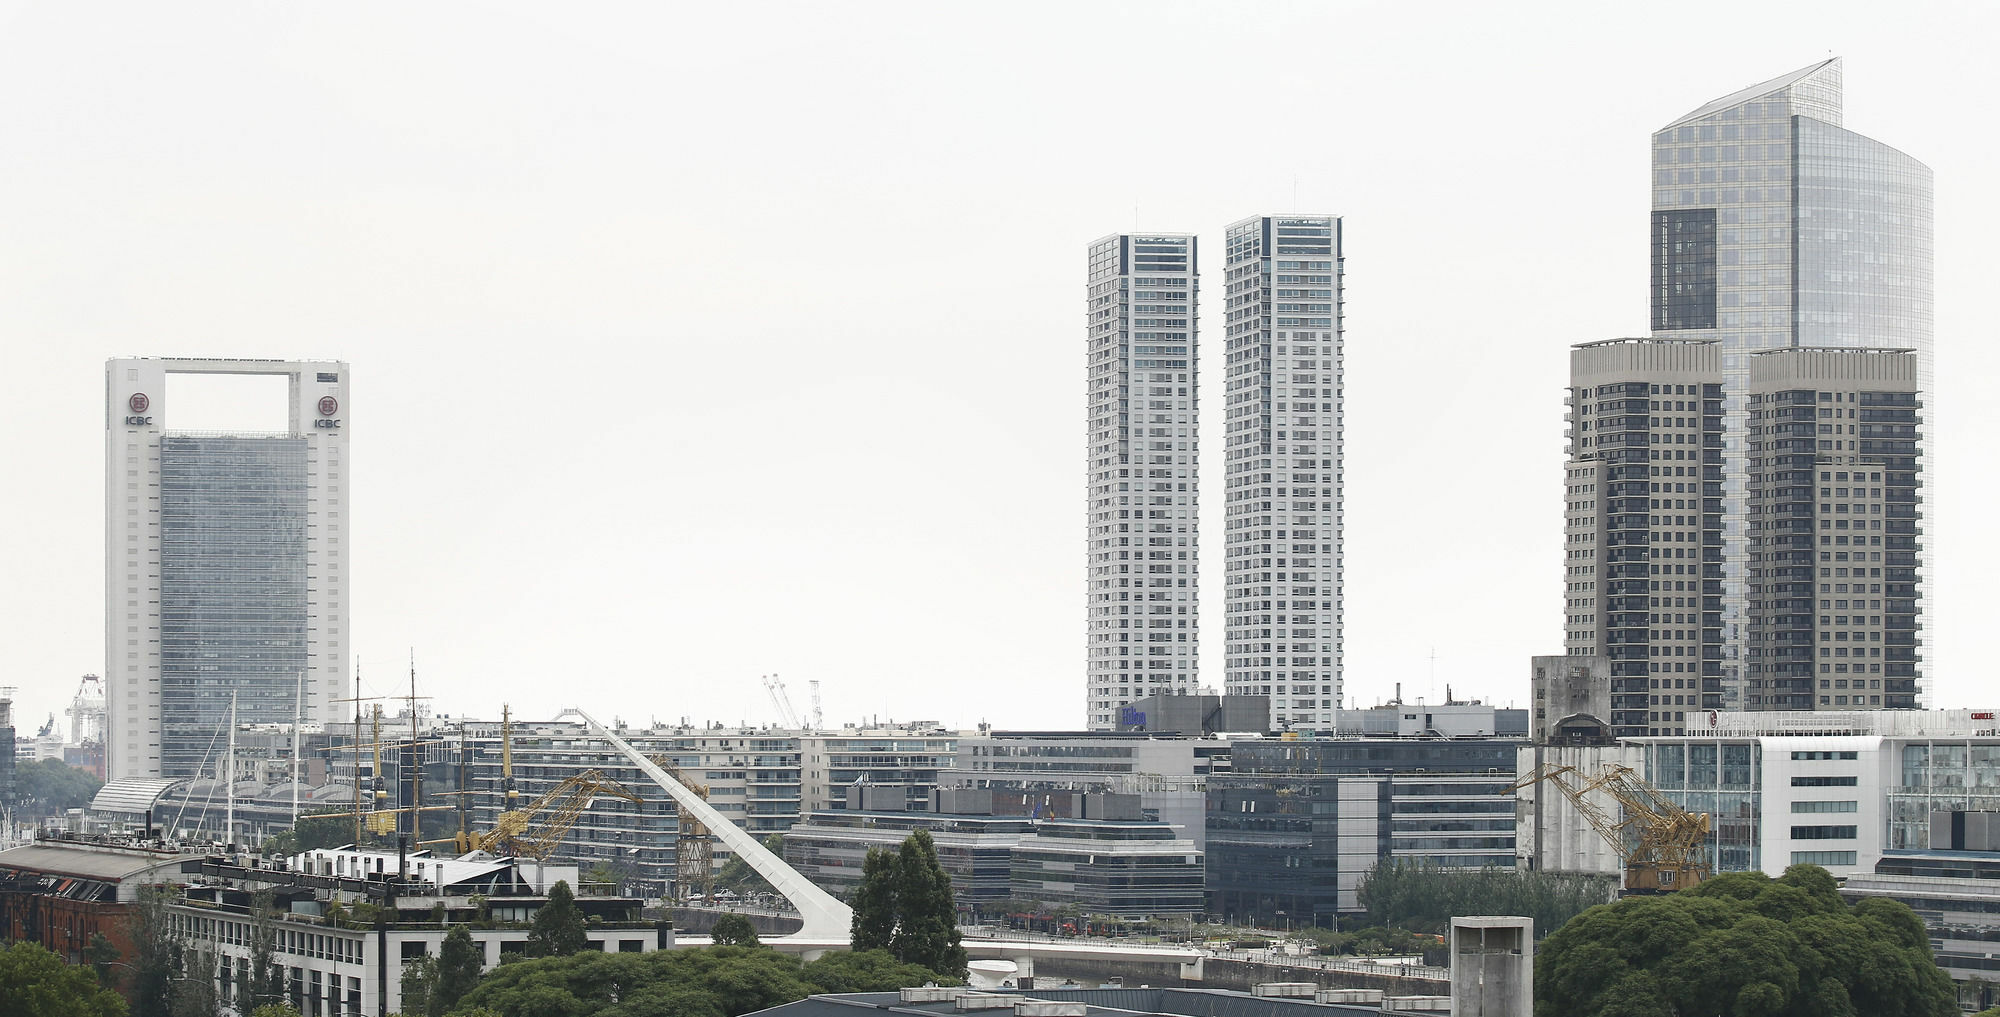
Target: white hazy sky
{"points": [[696, 342]]}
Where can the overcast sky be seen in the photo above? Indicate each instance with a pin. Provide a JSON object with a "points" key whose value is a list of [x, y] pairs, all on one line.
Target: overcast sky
{"points": [[697, 342]]}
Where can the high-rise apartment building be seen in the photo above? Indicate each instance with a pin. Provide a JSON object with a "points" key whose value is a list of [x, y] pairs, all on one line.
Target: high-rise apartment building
{"points": [[1775, 227], [225, 565], [1642, 500], [1283, 425], [1144, 568], [1835, 471]]}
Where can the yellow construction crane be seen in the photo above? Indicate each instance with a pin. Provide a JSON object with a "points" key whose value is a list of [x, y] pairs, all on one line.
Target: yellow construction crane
{"points": [[1672, 849], [534, 830], [693, 853]]}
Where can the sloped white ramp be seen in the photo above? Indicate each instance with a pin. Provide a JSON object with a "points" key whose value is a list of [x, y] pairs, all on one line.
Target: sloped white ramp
{"points": [[826, 918]]}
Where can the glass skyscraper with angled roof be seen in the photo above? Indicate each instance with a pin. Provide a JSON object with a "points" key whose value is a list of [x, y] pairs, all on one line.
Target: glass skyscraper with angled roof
{"points": [[1775, 227]]}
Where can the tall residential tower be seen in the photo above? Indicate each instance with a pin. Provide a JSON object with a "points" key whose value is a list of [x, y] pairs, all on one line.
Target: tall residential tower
{"points": [[1143, 575], [225, 571], [1284, 460], [1774, 227]]}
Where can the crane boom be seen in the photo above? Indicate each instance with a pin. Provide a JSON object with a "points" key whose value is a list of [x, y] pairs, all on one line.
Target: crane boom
{"points": [[525, 832], [1672, 846]]}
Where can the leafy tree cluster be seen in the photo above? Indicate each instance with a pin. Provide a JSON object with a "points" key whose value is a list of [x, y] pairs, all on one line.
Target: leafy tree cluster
{"points": [[720, 981], [1424, 897], [433, 986], [904, 905], [1746, 945], [37, 983], [558, 928], [310, 833], [734, 930], [50, 787]]}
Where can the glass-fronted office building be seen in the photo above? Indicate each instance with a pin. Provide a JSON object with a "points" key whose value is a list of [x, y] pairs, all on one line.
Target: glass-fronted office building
{"points": [[1295, 825], [1774, 226]]}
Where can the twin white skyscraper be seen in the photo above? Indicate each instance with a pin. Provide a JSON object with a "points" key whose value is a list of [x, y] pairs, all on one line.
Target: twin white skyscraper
{"points": [[1283, 424]]}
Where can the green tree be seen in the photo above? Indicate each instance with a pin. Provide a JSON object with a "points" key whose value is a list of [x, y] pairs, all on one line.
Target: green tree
{"points": [[734, 930], [310, 833], [419, 987], [193, 994], [1422, 896], [157, 952], [720, 981], [737, 876], [260, 979], [36, 983], [100, 955], [926, 913], [51, 787], [874, 922], [460, 961], [557, 929], [1746, 945], [867, 971], [276, 1010]]}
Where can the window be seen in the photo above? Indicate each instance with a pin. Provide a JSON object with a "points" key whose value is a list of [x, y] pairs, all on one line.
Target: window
{"points": [[1824, 806], [1823, 832], [1816, 781], [1823, 858]]}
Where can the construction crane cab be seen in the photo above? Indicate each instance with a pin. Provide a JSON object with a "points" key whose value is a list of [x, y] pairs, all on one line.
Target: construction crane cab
{"points": [[1671, 848]]}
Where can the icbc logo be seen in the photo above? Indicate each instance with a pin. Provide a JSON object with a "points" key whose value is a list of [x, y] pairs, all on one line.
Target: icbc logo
{"points": [[328, 405], [138, 402]]}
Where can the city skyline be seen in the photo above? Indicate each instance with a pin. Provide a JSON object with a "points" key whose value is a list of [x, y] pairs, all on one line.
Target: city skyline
{"points": [[555, 479]]}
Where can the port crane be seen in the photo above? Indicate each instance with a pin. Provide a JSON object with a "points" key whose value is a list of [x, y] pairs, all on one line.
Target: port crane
{"points": [[694, 852], [1672, 849], [535, 829]]}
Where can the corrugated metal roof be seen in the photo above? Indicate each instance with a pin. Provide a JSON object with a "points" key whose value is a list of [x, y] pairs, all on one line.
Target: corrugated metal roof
{"points": [[132, 795], [90, 863]]}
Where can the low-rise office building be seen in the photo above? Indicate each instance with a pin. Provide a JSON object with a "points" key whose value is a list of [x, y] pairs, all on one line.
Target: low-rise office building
{"points": [[1168, 772], [1295, 825]]}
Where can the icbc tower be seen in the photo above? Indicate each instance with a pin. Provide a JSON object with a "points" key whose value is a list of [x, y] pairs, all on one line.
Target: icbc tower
{"points": [[225, 565]]}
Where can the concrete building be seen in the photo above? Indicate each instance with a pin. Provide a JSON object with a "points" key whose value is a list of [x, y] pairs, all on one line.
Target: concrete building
{"points": [[1832, 788], [1283, 424], [1111, 861], [1492, 966], [1643, 569], [1775, 227], [336, 963], [1449, 719], [1142, 507], [1197, 716], [225, 574], [1168, 774], [6, 751], [61, 892], [1572, 697], [1836, 523], [1295, 825], [763, 779]]}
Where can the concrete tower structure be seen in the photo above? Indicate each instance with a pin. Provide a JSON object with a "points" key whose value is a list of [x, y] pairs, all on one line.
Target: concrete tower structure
{"points": [[1283, 421], [1836, 527], [1775, 227], [225, 564], [1642, 500], [1142, 506]]}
